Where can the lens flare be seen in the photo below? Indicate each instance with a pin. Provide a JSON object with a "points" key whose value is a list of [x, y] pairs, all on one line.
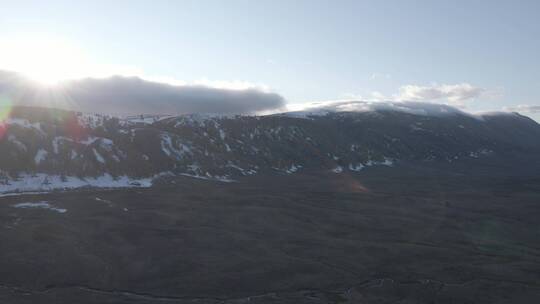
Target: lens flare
{"points": [[50, 60], [5, 111]]}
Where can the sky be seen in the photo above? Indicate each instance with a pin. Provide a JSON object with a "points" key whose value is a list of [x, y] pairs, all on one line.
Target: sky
{"points": [[475, 55]]}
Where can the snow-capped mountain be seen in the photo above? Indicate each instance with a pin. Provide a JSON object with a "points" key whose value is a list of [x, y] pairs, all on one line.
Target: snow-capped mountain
{"points": [[43, 149]]}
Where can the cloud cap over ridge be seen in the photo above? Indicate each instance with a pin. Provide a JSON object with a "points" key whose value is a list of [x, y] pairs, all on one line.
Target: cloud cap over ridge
{"points": [[134, 95]]}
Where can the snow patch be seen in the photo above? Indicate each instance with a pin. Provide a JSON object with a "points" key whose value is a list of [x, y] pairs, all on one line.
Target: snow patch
{"points": [[43, 182], [377, 107], [337, 169], [356, 167], [222, 134], [20, 146], [242, 170], [106, 144], [98, 156], [218, 178], [108, 202], [90, 140], [40, 156], [294, 168], [146, 119], [305, 114], [168, 148], [91, 120], [386, 162], [24, 123], [40, 205]]}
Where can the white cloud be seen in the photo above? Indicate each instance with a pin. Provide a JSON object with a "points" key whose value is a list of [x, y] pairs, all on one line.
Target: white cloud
{"points": [[372, 96], [411, 107], [380, 76], [454, 94], [232, 85], [418, 99], [238, 85], [523, 108], [377, 96], [134, 95]]}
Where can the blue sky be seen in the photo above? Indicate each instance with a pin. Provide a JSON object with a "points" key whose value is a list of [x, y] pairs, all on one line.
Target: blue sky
{"points": [[310, 50]]}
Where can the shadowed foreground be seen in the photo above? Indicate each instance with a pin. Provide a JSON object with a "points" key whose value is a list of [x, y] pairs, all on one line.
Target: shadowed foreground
{"points": [[385, 236]]}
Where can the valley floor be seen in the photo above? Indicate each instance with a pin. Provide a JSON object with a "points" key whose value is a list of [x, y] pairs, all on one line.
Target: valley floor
{"points": [[380, 236]]}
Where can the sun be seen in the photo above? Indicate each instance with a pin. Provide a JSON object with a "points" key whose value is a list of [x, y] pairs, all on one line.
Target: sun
{"points": [[45, 59]]}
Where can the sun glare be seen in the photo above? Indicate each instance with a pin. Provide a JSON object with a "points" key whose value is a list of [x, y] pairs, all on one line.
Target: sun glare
{"points": [[44, 59]]}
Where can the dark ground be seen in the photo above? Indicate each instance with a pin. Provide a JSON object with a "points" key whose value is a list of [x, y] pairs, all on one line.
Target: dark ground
{"points": [[386, 235]]}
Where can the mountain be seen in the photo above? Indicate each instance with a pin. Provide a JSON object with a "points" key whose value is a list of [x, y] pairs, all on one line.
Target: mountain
{"points": [[418, 204], [45, 149]]}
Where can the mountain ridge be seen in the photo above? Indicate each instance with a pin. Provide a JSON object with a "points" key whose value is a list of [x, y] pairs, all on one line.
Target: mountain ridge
{"points": [[74, 149]]}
